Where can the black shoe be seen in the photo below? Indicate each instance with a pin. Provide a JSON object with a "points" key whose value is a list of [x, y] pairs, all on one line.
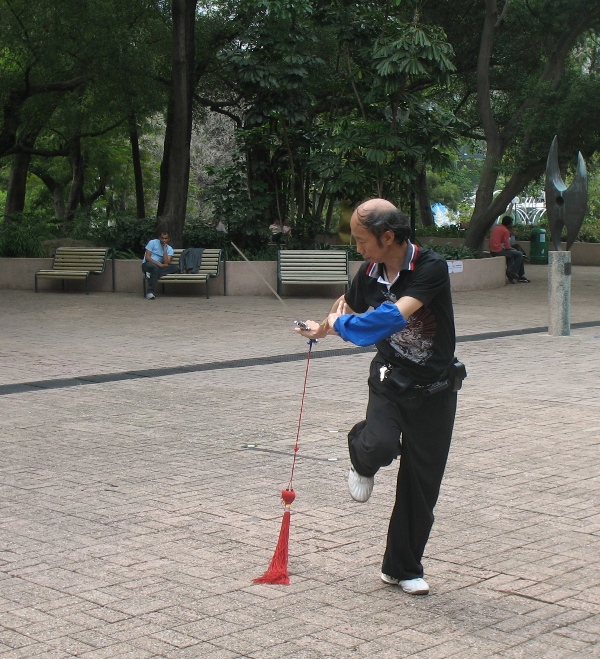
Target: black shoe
{"points": [[511, 278], [524, 280]]}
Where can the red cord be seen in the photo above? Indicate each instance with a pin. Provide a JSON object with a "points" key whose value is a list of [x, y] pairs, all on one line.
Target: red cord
{"points": [[310, 345]]}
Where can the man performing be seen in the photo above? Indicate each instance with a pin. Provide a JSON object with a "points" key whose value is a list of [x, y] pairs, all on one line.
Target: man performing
{"points": [[412, 382]]}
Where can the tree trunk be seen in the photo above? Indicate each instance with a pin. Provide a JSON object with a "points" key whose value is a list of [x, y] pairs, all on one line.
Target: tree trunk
{"points": [[329, 215], [476, 234], [292, 186], [78, 168], [164, 165], [493, 156], [57, 190], [137, 167], [178, 153], [413, 212], [17, 185], [320, 206], [423, 197]]}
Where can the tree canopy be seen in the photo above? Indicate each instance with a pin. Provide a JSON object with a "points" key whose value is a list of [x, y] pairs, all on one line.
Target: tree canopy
{"points": [[330, 102]]}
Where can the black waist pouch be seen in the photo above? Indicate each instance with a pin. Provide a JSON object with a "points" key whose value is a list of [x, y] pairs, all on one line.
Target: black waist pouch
{"points": [[398, 381], [459, 374], [401, 383]]}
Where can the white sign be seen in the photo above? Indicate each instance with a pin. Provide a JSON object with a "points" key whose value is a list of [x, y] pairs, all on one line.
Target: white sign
{"points": [[455, 266]]}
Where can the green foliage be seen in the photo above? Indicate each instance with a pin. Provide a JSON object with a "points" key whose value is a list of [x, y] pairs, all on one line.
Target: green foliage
{"points": [[22, 235], [243, 208], [123, 233], [268, 253], [452, 185], [330, 112], [523, 231], [589, 233], [201, 234], [127, 255], [453, 253], [449, 231], [411, 51], [76, 73], [333, 101]]}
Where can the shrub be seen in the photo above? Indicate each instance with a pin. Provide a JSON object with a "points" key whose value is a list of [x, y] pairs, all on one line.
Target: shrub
{"points": [[126, 235], [201, 234], [589, 232], [449, 231], [452, 253], [23, 234]]}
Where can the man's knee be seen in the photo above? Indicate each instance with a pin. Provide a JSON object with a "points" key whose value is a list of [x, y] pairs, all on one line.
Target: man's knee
{"points": [[371, 449]]}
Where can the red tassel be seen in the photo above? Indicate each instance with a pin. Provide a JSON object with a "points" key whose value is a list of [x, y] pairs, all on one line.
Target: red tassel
{"points": [[277, 572]]}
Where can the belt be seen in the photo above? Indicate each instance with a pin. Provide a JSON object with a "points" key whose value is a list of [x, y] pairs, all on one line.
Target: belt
{"points": [[433, 388]]}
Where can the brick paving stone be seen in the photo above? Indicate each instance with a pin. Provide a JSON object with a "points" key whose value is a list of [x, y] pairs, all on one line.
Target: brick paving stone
{"points": [[120, 651], [119, 540], [37, 650], [70, 646]]}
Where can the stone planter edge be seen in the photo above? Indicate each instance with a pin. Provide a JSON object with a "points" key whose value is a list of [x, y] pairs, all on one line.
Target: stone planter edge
{"points": [[239, 277]]}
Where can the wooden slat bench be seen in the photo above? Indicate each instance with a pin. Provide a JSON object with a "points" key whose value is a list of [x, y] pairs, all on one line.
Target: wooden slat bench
{"points": [[210, 267], [312, 266], [78, 263]]}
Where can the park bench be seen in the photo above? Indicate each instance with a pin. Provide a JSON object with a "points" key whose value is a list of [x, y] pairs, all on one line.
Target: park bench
{"points": [[312, 266], [210, 266], [78, 263]]}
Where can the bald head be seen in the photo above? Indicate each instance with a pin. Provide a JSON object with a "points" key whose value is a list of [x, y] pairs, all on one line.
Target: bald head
{"points": [[379, 216], [374, 205]]}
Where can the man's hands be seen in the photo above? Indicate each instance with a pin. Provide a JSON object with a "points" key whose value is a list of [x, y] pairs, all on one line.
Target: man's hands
{"points": [[320, 331], [406, 305], [315, 330], [339, 309]]}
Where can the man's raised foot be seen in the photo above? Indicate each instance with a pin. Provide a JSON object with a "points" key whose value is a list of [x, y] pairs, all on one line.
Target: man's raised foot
{"points": [[360, 486]]}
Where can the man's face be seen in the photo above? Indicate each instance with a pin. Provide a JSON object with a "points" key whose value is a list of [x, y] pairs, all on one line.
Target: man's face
{"points": [[370, 248], [164, 238]]}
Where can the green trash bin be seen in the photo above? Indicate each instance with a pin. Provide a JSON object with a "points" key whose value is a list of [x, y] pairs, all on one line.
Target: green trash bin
{"points": [[538, 246]]}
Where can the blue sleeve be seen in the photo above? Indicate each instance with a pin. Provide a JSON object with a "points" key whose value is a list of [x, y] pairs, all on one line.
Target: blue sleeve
{"points": [[372, 326]]}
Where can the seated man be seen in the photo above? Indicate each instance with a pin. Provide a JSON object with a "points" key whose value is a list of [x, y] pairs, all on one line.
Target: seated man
{"points": [[277, 231], [156, 262], [500, 246]]}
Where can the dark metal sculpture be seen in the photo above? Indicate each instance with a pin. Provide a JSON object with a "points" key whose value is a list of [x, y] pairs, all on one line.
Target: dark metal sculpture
{"points": [[566, 207]]}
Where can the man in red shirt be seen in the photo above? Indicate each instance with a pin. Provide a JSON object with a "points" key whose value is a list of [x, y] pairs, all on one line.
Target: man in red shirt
{"points": [[500, 246]]}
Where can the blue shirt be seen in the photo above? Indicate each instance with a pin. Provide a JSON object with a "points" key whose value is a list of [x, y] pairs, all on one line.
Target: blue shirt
{"points": [[156, 251]]}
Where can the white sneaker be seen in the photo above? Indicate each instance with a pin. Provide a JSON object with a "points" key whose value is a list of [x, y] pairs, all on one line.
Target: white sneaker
{"points": [[411, 586], [150, 296], [360, 486]]}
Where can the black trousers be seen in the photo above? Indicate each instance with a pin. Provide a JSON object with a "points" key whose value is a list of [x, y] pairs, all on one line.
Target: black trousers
{"points": [[423, 425], [156, 273]]}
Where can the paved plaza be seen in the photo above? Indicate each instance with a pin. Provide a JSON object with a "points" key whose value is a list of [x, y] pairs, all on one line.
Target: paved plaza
{"points": [[145, 445]]}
